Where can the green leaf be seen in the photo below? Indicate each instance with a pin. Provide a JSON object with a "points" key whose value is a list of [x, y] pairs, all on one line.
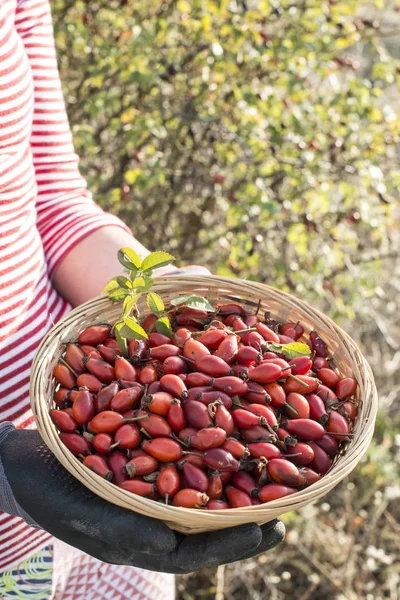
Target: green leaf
{"points": [[121, 341], [180, 300], [163, 326], [129, 303], [118, 295], [136, 331], [138, 282], [155, 303], [156, 260], [133, 257], [292, 350], [199, 303], [111, 285], [124, 282]]}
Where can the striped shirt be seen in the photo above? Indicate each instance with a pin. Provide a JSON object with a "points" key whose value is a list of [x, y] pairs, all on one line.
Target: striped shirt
{"points": [[45, 209]]}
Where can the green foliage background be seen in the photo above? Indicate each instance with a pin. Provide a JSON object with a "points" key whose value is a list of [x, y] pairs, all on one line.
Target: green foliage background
{"points": [[259, 137], [238, 134]]}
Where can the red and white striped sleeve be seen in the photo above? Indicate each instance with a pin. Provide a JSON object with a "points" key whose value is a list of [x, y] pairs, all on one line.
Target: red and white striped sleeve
{"points": [[66, 212]]}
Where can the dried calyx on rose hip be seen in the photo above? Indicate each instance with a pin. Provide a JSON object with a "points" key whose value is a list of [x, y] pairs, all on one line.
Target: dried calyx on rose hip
{"points": [[200, 406]]}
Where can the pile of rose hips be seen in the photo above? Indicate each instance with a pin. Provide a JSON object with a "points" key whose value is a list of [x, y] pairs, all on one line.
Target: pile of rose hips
{"points": [[210, 417]]}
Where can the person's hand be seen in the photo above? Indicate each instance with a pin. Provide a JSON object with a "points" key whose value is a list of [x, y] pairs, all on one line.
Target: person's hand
{"points": [[61, 505]]}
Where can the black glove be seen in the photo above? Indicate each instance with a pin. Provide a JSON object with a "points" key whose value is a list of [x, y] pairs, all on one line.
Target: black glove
{"points": [[69, 511]]}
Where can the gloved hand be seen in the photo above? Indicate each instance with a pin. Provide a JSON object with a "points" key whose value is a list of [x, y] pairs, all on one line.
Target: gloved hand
{"points": [[61, 505]]}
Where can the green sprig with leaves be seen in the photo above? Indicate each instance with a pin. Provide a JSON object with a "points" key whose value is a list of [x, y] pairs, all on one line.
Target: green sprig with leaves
{"points": [[138, 282]]}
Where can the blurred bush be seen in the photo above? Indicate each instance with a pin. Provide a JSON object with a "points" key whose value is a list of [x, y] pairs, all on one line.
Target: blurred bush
{"points": [[239, 134]]}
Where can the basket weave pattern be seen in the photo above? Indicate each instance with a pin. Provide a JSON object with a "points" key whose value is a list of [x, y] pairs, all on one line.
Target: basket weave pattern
{"points": [[218, 290]]}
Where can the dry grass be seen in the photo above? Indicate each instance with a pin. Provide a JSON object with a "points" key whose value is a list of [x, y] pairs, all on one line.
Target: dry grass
{"points": [[346, 547]]}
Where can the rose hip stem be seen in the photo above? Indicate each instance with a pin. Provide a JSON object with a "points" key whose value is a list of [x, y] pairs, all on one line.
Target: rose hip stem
{"points": [[299, 380], [69, 367]]}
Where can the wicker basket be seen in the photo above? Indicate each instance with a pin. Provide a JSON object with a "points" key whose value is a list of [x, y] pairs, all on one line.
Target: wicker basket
{"points": [[346, 355]]}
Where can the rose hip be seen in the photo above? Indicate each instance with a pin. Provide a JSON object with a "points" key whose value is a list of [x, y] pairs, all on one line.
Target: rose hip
{"points": [[292, 330], [245, 419], [181, 336], [300, 408], [141, 488], [228, 349], [328, 377], [209, 437], [233, 386], [100, 369], [155, 425], [124, 369], [245, 482], [197, 414], [220, 459], [103, 399], [285, 339], [265, 373], [223, 419], [117, 461], [64, 376], [305, 429], [318, 345], [349, 410], [140, 465], [256, 434], [63, 421], [236, 448], [237, 498], [336, 423], [310, 475], [215, 486], [194, 350], [158, 403], [213, 366], [285, 472], [89, 381], [276, 393], [248, 356], [97, 464], [125, 399], [317, 408], [266, 333], [94, 335], [75, 443], [174, 365], [163, 449], [212, 338], [328, 396], [329, 444], [264, 411], [345, 388], [274, 491], [320, 363], [257, 393], [168, 483], [300, 365], [195, 478], [102, 443], [190, 498], [164, 351], [264, 449], [137, 349], [176, 416], [128, 436], [148, 375], [74, 357], [306, 453], [111, 343], [321, 462], [61, 396], [108, 354], [106, 422], [307, 386], [232, 309], [174, 385], [83, 407]]}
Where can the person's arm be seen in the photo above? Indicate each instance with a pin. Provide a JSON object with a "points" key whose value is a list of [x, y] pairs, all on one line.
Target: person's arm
{"points": [[91, 263], [80, 240]]}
